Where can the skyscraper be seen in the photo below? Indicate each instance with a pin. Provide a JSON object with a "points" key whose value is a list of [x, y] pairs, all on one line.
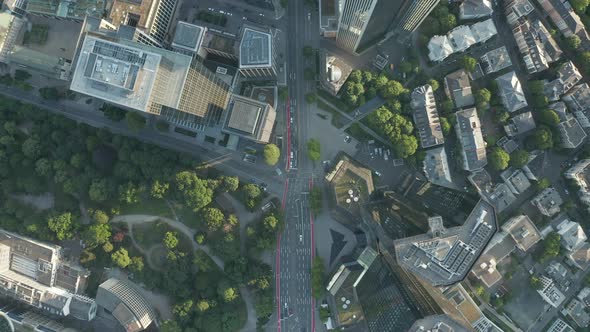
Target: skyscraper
{"points": [[411, 15], [364, 22]]}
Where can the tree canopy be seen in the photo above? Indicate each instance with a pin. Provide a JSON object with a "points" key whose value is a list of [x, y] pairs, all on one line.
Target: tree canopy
{"points": [[498, 159], [314, 149], [519, 158], [196, 192], [135, 121], [271, 154], [61, 225], [397, 128], [468, 63], [121, 258]]}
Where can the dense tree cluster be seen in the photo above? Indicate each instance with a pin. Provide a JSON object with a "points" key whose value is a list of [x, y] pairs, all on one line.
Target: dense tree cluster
{"points": [[313, 149], [397, 128], [362, 86], [498, 159], [75, 163], [440, 21]]}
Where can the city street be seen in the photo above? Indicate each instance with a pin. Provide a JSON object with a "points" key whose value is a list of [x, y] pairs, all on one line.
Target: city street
{"points": [[296, 309]]}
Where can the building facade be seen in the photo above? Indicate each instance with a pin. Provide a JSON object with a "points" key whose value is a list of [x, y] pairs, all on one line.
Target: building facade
{"points": [[411, 16]]}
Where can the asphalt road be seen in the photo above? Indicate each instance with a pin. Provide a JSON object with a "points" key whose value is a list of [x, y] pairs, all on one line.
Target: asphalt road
{"points": [[296, 309]]}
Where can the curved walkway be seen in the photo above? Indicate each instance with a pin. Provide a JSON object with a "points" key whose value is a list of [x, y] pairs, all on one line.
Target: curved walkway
{"points": [[135, 219]]}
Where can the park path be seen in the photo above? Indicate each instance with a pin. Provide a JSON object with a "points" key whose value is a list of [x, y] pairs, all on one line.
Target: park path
{"points": [[135, 219]]}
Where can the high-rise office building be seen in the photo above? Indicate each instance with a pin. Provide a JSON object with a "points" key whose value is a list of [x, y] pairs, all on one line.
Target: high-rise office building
{"points": [[364, 22], [152, 17], [411, 15]]}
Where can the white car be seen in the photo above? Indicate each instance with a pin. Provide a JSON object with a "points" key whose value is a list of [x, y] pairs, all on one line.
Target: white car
{"points": [[301, 238]]}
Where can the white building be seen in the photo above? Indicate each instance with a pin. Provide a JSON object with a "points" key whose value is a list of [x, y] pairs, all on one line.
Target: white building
{"points": [[550, 293]]}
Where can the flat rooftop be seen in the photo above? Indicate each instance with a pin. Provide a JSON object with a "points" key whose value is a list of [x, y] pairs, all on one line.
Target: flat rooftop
{"points": [[249, 118], [446, 258], [188, 36], [255, 49], [127, 73]]}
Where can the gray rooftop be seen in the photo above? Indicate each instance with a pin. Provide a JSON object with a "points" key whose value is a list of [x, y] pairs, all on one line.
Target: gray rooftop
{"points": [[511, 92], [520, 124], [548, 201], [578, 98], [569, 76], [458, 88], [496, 60], [436, 167], [188, 36], [426, 117], [446, 258], [572, 134], [501, 197], [438, 323], [124, 72], [468, 128], [255, 49], [471, 9]]}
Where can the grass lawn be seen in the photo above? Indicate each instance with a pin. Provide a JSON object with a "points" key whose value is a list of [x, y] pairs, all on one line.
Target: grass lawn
{"points": [[158, 256], [186, 215], [149, 206], [358, 133], [148, 234]]}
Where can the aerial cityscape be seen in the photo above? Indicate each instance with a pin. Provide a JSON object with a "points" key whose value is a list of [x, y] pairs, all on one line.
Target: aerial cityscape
{"points": [[294, 165]]}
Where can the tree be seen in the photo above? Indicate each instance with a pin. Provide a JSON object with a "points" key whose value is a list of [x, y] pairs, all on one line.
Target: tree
{"points": [[405, 67], [196, 192], [311, 98], [519, 158], [448, 22], [434, 84], [501, 116], [314, 149], [580, 5], [99, 190], [393, 89], [213, 217], [159, 189], [584, 60], [542, 184], [170, 326], [468, 63], [135, 121], [183, 309], [200, 238], [31, 148], [573, 42], [137, 264], [121, 258], [535, 283], [49, 93], [324, 314], [170, 240], [229, 183], [405, 146], [113, 113], [483, 96], [445, 125], [548, 117], [203, 305], [308, 74], [447, 106], [541, 139], [307, 51], [551, 246], [283, 93], [498, 159], [107, 247], [318, 286], [96, 235], [61, 225], [98, 216], [356, 76], [129, 193], [271, 154], [226, 292], [21, 75]]}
